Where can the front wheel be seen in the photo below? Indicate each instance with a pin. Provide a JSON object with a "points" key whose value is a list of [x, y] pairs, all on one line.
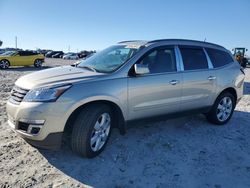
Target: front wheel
{"points": [[4, 64], [91, 130], [38, 63], [222, 109]]}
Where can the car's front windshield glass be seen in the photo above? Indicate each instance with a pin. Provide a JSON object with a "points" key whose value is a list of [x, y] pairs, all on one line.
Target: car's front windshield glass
{"points": [[109, 59], [9, 53]]}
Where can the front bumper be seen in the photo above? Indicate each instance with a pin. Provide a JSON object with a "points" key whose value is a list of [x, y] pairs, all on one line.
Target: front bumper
{"points": [[40, 124], [52, 141]]}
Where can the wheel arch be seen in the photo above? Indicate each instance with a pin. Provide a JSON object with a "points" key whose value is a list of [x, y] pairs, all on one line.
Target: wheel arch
{"points": [[230, 90], [5, 60], [119, 116]]}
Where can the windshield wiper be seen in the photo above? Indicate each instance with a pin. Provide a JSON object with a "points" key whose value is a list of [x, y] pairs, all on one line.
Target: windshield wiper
{"points": [[89, 68]]}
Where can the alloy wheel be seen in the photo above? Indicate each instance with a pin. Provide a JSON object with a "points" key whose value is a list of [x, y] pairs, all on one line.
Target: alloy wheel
{"points": [[4, 64], [100, 132], [224, 109]]}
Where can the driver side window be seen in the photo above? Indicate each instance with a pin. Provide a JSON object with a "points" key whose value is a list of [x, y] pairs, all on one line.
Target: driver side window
{"points": [[160, 60]]}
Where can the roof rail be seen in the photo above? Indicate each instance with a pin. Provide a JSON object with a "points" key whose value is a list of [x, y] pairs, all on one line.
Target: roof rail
{"points": [[130, 41], [187, 40]]}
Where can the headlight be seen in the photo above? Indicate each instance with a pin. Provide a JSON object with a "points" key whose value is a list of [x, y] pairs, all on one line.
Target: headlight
{"points": [[46, 94]]}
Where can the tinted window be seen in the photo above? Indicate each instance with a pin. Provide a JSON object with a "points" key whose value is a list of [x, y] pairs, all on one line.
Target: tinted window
{"points": [[219, 58], [193, 58], [26, 53], [160, 60], [22, 53]]}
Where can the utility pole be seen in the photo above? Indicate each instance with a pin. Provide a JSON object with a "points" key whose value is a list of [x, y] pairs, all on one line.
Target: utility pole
{"points": [[16, 41]]}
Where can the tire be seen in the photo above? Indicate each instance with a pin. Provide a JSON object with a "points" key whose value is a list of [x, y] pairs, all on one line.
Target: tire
{"points": [[38, 63], [4, 64], [85, 129], [222, 110]]}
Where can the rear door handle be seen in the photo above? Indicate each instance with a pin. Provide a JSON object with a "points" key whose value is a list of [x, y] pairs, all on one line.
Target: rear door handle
{"points": [[211, 78], [174, 82]]}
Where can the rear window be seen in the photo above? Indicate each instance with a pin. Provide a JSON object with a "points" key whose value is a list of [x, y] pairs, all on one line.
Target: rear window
{"points": [[219, 58], [193, 58]]}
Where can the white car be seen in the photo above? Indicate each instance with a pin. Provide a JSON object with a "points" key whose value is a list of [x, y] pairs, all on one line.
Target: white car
{"points": [[71, 56]]}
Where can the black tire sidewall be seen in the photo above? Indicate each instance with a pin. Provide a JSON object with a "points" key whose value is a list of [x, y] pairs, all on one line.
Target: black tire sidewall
{"points": [[86, 127], [7, 62], [37, 66], [212, 115]]}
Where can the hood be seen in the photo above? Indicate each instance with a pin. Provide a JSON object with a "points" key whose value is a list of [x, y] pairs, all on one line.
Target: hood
{"points": [[58, 75]]}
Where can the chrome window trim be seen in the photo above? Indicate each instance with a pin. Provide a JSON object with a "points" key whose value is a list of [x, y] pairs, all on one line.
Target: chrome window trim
{"points": [[157, 74], [210, 64], [180, 61]]}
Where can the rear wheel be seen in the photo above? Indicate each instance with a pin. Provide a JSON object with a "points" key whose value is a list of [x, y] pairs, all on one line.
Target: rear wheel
{"points": [[91, 130], [4, 64], [38, 63], [222, 109]]}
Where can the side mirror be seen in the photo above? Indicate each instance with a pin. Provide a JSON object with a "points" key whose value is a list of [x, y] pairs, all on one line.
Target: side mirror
{"points": [[246, 50], [141, 69]]}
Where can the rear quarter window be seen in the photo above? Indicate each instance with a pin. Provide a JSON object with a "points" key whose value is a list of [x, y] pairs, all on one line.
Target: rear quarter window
{"points": [[219, 58]]}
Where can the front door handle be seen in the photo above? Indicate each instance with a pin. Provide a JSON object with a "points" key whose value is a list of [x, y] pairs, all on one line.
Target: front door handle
{"points": [[211, 78], [174, 82]]}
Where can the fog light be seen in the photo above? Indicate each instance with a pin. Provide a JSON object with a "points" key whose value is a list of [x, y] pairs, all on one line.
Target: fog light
{"points": [[34, 129]]}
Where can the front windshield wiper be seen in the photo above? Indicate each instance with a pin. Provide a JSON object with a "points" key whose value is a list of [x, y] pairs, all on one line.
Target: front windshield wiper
{"points": [[89, 68]]}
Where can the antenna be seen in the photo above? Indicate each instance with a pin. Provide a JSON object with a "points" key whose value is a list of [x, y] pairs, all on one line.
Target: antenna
{"points": [[16, 41]]}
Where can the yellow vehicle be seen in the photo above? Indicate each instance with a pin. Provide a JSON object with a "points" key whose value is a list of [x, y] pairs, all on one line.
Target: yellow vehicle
{"points": [[20, 58]]}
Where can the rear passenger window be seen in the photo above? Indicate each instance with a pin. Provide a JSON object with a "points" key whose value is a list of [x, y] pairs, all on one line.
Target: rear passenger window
{"points": [[219, 58], [193, 58]]}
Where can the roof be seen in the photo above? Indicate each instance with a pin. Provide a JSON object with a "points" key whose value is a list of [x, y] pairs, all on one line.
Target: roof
{"points": [[173, 41]]}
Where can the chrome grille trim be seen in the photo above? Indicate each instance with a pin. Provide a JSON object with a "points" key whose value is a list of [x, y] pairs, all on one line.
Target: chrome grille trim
{"points": [[17, 94]]}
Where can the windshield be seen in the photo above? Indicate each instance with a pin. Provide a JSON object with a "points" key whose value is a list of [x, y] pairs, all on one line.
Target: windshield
{"points": [[9, 53], [239, 51], [109, 59]]}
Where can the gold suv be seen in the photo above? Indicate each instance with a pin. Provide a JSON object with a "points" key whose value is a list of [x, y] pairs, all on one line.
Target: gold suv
{"points": [[125, 82]]}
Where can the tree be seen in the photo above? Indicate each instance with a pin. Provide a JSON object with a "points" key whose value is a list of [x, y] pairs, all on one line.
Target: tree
{"points": [[1, 42]]}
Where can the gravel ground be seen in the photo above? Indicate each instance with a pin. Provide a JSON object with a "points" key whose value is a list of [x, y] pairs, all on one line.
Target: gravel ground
{"points": [[183, 152]]}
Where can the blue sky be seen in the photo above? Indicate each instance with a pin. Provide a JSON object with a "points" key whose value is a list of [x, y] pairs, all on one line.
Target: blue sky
{"points": [[96, 24]]}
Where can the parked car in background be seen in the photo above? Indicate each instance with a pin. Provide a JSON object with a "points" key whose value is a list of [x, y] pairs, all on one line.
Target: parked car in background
{"points": [[72, 56], [125, 82], [58, 55], [84, 54], [51, 53], [68, 53], [2, 51], [20, 58], [44, 52]]}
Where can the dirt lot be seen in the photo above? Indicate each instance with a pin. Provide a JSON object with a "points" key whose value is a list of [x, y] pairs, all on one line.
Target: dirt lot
{"points": [[184, 152]]}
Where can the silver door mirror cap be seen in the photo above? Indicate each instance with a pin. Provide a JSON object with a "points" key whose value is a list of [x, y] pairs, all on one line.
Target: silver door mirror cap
{"points": [[141, 69]]}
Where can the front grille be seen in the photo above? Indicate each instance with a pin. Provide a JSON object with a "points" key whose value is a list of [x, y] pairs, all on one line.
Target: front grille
{"points": [[23, 126], [17, 94]]}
